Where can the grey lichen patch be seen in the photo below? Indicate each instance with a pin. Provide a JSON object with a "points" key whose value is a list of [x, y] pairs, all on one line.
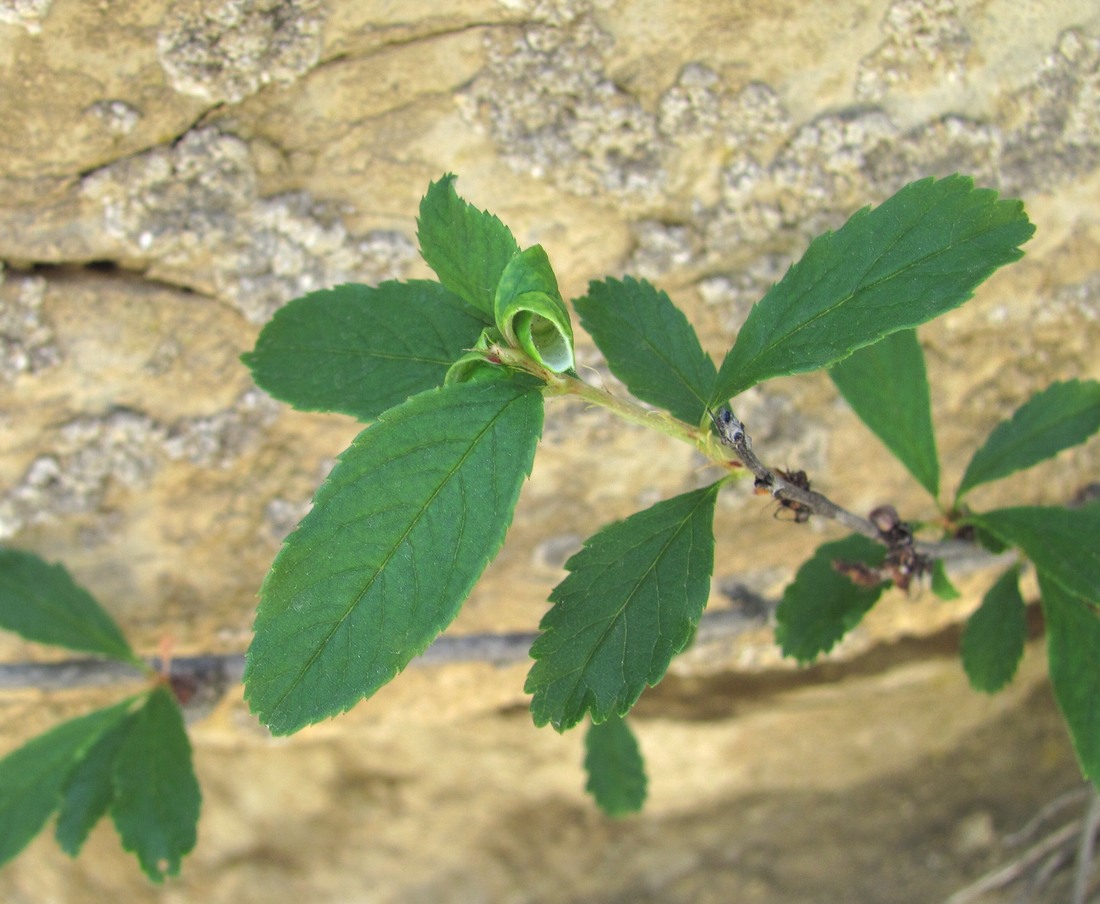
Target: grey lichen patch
{"points": [[228, 50], [27, 342], [26, 13], [116, 116], [926, 42], [219, 439], [191, 214], [545, 99]]}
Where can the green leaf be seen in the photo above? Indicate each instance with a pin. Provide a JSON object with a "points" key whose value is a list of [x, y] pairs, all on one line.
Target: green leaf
{"points": [[1073, 650], [649, 345], [399, 532], [31, 777], [630, 603], [90, 788], [914, 257], [821, 605], [1061, 416], [359, 350], [157, 797], [467, 248], [616, 771], [941, 583], [1060, 542], [887, 387], [995, 634], [530, 313], [42, 603]]}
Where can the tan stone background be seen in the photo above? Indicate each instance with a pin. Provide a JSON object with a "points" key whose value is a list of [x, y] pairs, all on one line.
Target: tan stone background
{"points": [[172, 172]]}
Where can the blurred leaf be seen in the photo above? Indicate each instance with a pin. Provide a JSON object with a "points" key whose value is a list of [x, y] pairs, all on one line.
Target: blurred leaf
{"points": [[915, 256], [31, 777], [157, 797], [1061, 416], [398, 534], [42, 603], [887, 387], [1060, 542], [629, 604], [530, 313], [1073, 650], [359, 350], [941, 583], [467, 248], [649, 345], [616, 771], [995, 634], [821, 605]]}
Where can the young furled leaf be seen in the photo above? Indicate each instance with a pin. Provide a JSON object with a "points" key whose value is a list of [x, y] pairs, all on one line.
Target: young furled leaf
{"points": [[1073, 650], [31, 777], [360, 350], [616, 771], [1061, 542], [887, 387], [467, 248], [157, 797], [398, 534], [42, 603], [530, 313], [821, 605], [995, 634], [1059, 417], [649, 345], [914, 257], [629, 604]]}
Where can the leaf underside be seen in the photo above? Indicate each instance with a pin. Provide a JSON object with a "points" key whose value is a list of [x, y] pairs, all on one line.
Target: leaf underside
{"points": [[630, 603], [398, 534]]}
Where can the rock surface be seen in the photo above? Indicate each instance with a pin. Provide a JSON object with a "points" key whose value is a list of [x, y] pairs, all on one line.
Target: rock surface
{"points": [[172, 172]]}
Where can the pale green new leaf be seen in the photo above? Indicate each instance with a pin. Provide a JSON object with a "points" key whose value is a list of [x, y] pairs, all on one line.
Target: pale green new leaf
{"points": [[630, 603], [399, 533], [467, 248], [616, 771], [157, 797], [887, 387], [941, 583], [915, 256], [1061, 416], [530, 312], [32, 777], [649, 345], [360, 349], [821, 605], [1060, 542], [994, 638], [42, 603], [1073, 650]]}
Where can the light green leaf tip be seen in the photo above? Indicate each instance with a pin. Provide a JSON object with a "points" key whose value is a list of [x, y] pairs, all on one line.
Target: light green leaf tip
{"points": [[530, 312]]}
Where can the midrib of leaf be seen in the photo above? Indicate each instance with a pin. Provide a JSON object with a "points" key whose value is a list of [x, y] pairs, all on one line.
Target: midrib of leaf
{"points": [[321, 647], [611, 622]]}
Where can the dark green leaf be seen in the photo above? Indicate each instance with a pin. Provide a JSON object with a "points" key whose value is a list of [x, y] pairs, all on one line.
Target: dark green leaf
{"points": [[887, 387], [941, 583], [914, 257], [42, 603], [399, 532], [530, 313], [616, 771], [995, 634], [90, 789], [360, 350], [821, 605], [1073, 650], [31, 777], [1061, 416], [649, 345], [1061, 542], [157, 797], [467, 248], [629, 604]]}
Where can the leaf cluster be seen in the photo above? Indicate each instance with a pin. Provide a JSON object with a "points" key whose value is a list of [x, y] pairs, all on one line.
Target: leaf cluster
{"points": [[131, 760]]}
